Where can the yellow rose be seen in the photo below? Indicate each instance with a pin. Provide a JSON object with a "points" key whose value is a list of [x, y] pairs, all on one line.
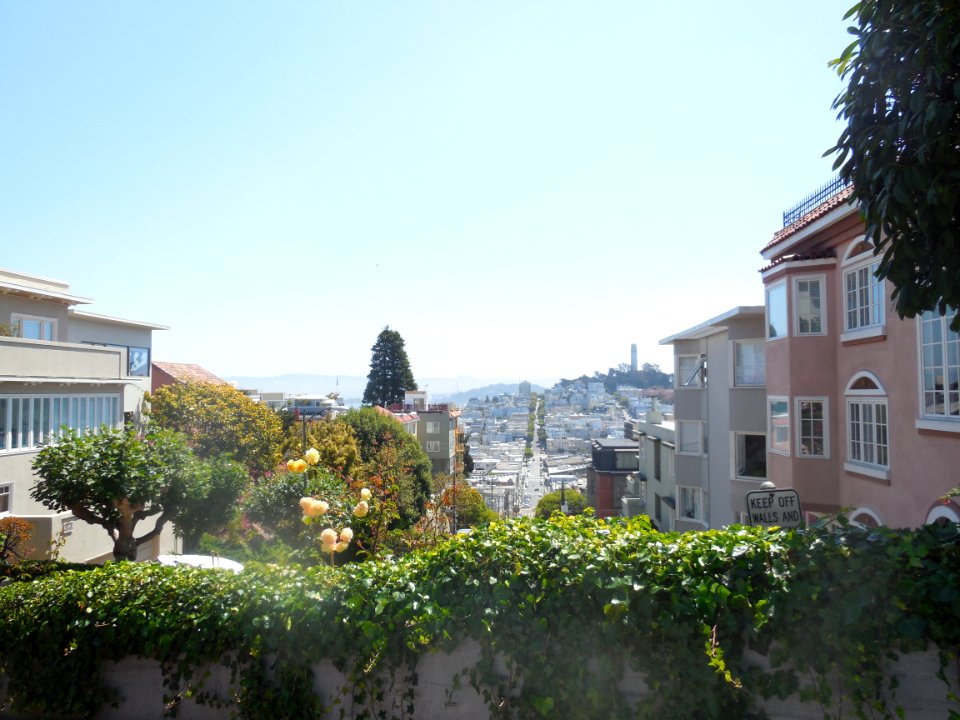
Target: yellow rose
{"points": [[365, 494], [361, 509], [296, 466], [341, 546], [312, 456], [314, 508], [346, 535], [328, 536]]}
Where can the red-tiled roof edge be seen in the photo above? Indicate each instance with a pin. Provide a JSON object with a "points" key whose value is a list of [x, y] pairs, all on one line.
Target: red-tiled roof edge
{"points": [[189, 372], [819, 211]]}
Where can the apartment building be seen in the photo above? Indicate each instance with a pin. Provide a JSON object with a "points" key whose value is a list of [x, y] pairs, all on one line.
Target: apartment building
{"points": [[612, 462], [862, 408], [61, 367], [652, 489], [720, 421]]}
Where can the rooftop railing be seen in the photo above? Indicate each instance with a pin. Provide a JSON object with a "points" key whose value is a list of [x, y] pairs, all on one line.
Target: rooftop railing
{"points": [[820, 195]]}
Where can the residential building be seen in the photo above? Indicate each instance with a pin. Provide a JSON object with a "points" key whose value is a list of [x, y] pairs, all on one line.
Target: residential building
{"points": [[63, 368], [652, 489], [863, 409], [720, 417], [436, 430], [612, 461]]}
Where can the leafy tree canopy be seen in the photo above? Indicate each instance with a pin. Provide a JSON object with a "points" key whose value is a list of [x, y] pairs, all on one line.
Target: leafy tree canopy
{"points": [[220, 420], [218, 485], [467, 503], [334, 439], [390, 373], [115, 479], [408, 463], [550, 503], [900, 148]]}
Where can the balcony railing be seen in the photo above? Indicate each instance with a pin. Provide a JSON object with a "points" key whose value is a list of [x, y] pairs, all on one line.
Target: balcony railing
{"points": [[820, 195]]}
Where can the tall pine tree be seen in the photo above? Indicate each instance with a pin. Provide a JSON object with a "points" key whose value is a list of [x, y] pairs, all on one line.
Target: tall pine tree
{"points": [[390, 372]]}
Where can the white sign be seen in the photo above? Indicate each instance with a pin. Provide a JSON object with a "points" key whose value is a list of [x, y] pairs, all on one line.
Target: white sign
{"points": [[775, 507]]}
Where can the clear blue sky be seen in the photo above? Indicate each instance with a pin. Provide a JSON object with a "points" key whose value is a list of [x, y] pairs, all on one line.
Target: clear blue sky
{"points": [[277, 181]]}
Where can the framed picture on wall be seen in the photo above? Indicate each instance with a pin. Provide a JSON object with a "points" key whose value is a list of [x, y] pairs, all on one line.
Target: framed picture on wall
{"points": [[138, 361]]}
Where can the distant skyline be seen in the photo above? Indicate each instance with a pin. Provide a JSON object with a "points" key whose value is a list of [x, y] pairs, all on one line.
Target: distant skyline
{"points": [[522, 190]]}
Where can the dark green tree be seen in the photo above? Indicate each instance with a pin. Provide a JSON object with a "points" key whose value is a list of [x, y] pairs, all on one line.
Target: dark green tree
{"points": [[550, 503], [411, 468], [218, 486], [115, 479], [390, 372], [901, 146]]}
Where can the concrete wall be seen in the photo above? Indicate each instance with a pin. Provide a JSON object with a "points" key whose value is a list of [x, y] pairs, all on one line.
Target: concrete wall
{"points": [[139, 683]]}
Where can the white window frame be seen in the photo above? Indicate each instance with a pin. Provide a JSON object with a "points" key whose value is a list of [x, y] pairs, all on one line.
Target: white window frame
{"points": [[853, 265], [760, 346], [821, 280], [859, 428], [690, 377], [79, 413], [825, 402], [931, 323], [692, 426], [735, 456], [6, 498], [777, 287], [772, 445], [698, 496], [433, 427], [17, 320], [432, 446]]}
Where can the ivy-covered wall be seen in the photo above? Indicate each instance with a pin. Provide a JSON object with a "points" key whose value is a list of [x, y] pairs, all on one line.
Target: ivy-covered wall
{"points": [[567, 617]]}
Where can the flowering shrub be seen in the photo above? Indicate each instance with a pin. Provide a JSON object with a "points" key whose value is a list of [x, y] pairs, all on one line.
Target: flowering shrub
{"points": [[333, 513]]}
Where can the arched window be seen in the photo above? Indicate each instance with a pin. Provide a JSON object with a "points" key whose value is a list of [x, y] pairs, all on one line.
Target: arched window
{"points": [[943, 513], [866, 517], [867, 428]]}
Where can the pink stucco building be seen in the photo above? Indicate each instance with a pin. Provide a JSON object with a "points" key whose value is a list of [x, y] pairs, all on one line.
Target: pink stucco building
{"points": [[863, 409]]}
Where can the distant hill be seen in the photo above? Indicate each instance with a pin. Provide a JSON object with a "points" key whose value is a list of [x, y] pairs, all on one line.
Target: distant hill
{"points": [[461, 398], [351, 387]]}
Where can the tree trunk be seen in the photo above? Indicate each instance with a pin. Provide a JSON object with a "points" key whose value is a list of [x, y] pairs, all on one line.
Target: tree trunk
{"points": [[125, 548]]}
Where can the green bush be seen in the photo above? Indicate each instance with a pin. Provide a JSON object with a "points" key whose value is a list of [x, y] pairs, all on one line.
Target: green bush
{"points": [[545, 596]]}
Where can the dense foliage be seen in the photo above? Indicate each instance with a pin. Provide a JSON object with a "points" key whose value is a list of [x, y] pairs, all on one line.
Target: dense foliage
{"points": [[566, 605], [116, 479], [392, 457], [550, 503], [390, 374], [220, 420], [900, 148]]}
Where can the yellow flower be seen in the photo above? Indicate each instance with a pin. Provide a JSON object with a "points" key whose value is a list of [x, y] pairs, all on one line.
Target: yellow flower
{"points": [[341, 546], [365, 494], [314, 508], [296, 466], [346, 535], [312, 456], [361, 509], [328, 537]]}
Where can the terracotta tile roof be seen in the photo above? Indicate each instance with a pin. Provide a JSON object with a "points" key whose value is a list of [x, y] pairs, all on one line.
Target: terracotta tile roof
{"points": [[818, 212], [187, 372], [797, 257]]}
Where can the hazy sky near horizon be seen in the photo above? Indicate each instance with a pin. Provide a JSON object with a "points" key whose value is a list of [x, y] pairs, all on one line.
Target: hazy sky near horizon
{"points": [[521, 189]]}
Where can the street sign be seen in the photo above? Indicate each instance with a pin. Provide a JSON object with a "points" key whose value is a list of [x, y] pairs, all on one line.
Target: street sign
{"points": [[775, 507]]}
